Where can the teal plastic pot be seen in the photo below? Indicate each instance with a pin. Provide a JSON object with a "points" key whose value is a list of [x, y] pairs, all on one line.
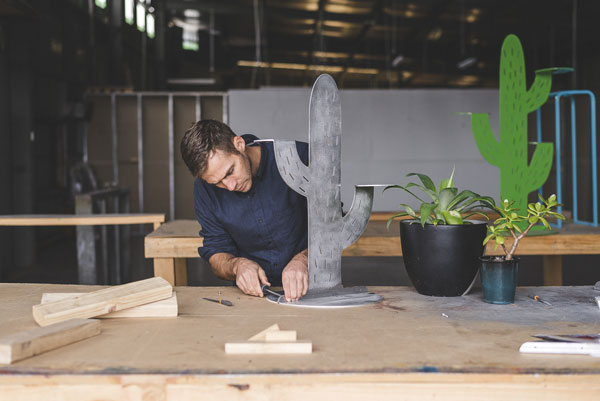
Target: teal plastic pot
{"points": [[499, 280]]}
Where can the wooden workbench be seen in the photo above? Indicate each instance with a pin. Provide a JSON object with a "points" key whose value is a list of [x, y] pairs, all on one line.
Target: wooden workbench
{"points": [[403, 348], [173, 242]]}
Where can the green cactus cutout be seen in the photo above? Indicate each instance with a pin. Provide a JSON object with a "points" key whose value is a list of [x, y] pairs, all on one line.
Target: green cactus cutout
{"points": [[517, 177]]}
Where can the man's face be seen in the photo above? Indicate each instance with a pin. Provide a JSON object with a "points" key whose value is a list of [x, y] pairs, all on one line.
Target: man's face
{"points": [[229, 171]]}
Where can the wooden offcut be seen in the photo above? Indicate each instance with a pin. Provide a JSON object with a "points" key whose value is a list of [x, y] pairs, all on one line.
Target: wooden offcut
{"points": [[261, 336], [251, 347], [164, 308], [103, 301], [271, 340], [280, 335], [26, 344]]}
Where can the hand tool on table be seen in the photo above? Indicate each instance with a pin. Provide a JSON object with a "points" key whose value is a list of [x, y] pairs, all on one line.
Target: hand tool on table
{"points": [[220, 301], [536, 298], [265, 288]]}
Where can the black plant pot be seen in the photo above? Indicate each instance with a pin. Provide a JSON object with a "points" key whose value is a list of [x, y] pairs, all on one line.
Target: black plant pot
{"points": [[499, 280], [442, 260]]}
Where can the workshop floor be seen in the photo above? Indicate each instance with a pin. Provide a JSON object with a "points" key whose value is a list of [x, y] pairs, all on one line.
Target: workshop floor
{"points": [[56, 262]]}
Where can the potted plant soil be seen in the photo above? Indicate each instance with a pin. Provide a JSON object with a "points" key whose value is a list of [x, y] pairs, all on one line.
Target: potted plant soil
{"points": [[440, 246], [499, 273]]}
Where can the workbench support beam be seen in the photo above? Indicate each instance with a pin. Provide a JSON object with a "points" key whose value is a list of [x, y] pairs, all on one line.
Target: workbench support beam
{"points": [[553, 272]]}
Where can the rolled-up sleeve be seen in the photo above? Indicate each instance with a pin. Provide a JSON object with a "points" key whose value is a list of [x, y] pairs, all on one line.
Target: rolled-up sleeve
{"points": [[216, 238]]}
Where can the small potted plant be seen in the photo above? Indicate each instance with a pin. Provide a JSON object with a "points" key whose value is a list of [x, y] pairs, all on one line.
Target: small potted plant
{"points": [[441, 253], [499, 273]]}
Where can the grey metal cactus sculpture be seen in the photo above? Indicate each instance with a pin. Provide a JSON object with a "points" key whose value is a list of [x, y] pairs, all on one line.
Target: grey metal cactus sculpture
{"points": [[328, 231]]}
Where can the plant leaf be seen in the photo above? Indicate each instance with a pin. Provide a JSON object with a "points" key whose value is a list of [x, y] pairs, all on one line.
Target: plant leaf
{"points": [[425, 180], [404, 189], [446, 196], [452, 217], [393, 217], [426, 209]]}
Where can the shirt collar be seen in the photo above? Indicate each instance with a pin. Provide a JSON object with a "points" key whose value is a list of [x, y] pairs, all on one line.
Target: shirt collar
{"points": [[249, 138]]}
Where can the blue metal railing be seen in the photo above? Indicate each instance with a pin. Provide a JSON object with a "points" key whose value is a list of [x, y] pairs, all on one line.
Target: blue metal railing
{"points": [[571, 95]]}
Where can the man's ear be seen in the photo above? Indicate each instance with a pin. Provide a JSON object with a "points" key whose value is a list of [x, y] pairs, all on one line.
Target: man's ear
{"points": [[239, 143]]}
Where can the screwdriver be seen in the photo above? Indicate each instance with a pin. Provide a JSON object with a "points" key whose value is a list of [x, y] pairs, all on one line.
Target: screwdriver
{"points": [[220, 301], [536, 298]]}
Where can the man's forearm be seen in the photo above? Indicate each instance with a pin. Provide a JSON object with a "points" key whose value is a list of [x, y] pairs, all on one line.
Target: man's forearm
{"points": [[224, 265]]}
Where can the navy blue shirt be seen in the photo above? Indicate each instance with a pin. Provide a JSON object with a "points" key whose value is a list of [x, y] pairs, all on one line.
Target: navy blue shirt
{"points": [[267, 224]]}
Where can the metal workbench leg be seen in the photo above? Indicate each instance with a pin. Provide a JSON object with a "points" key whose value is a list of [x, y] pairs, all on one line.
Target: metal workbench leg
{"points": [[552, 265], [86, 244]]}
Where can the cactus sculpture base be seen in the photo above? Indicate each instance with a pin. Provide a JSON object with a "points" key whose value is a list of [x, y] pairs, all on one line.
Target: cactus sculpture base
{"points": [[331, 298]]}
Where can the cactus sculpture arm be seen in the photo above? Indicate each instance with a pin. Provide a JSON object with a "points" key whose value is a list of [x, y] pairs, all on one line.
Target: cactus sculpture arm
{"points": [[517, 176], [292, 170], [355, 221], [484, 137]]}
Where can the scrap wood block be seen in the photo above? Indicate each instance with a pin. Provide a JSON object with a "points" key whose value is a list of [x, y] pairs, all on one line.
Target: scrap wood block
{"points": [[164, 308], [271, 340], [252, 347], [103, 301], [26, 344]]}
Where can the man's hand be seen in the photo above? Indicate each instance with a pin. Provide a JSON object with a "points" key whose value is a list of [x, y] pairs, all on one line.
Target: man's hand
{"points": [[249, 276], [295, 277]]}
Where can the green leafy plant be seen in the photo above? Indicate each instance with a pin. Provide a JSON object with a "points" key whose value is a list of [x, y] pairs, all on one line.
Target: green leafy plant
{"points": [[447, 205], [509, 222]]}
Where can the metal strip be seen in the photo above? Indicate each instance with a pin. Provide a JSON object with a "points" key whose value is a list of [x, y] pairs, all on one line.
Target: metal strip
{"points": [[171, 160], [140, 154], [594, 158], [104, 236], [226, 108], [155, 93], [117, 244], [115, 145], [574, 159], [198, 109], [85, 142], [557, 141]]}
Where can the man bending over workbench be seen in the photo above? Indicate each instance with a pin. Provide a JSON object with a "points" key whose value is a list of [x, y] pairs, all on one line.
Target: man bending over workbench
{"points": [[254, 225]]}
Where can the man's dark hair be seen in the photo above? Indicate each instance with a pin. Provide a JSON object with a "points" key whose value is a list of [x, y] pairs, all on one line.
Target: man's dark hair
{"points": [[201, 140]]}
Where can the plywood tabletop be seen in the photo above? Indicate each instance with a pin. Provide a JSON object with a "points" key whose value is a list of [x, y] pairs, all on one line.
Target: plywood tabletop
{"points": [[405, 333]]}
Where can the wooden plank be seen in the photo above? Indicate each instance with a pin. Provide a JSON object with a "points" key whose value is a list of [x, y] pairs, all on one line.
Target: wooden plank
{"points": [[26, 344], [261, 336], [165, 268], [553, 272], [180, 239], [80, 219], [301, 387], [164, 308], [181, 271], [176, 247], [280, 336], [252, 347], [103, 301]]}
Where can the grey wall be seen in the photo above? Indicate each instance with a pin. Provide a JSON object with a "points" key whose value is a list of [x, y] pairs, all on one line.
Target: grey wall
{"points": [[385, 134]]}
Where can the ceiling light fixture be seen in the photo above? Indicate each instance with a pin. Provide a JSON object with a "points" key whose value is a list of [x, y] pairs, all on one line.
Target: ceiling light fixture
{"points": [[466, 63], [309, 67], [397, 60]]}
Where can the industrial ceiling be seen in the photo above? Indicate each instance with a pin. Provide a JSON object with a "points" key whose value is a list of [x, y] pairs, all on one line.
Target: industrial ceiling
{"points": [[369, 43]]}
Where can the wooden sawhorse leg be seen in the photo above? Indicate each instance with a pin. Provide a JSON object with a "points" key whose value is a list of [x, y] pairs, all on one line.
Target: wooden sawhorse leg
{"points": [[174, 270], [552, 265]]}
